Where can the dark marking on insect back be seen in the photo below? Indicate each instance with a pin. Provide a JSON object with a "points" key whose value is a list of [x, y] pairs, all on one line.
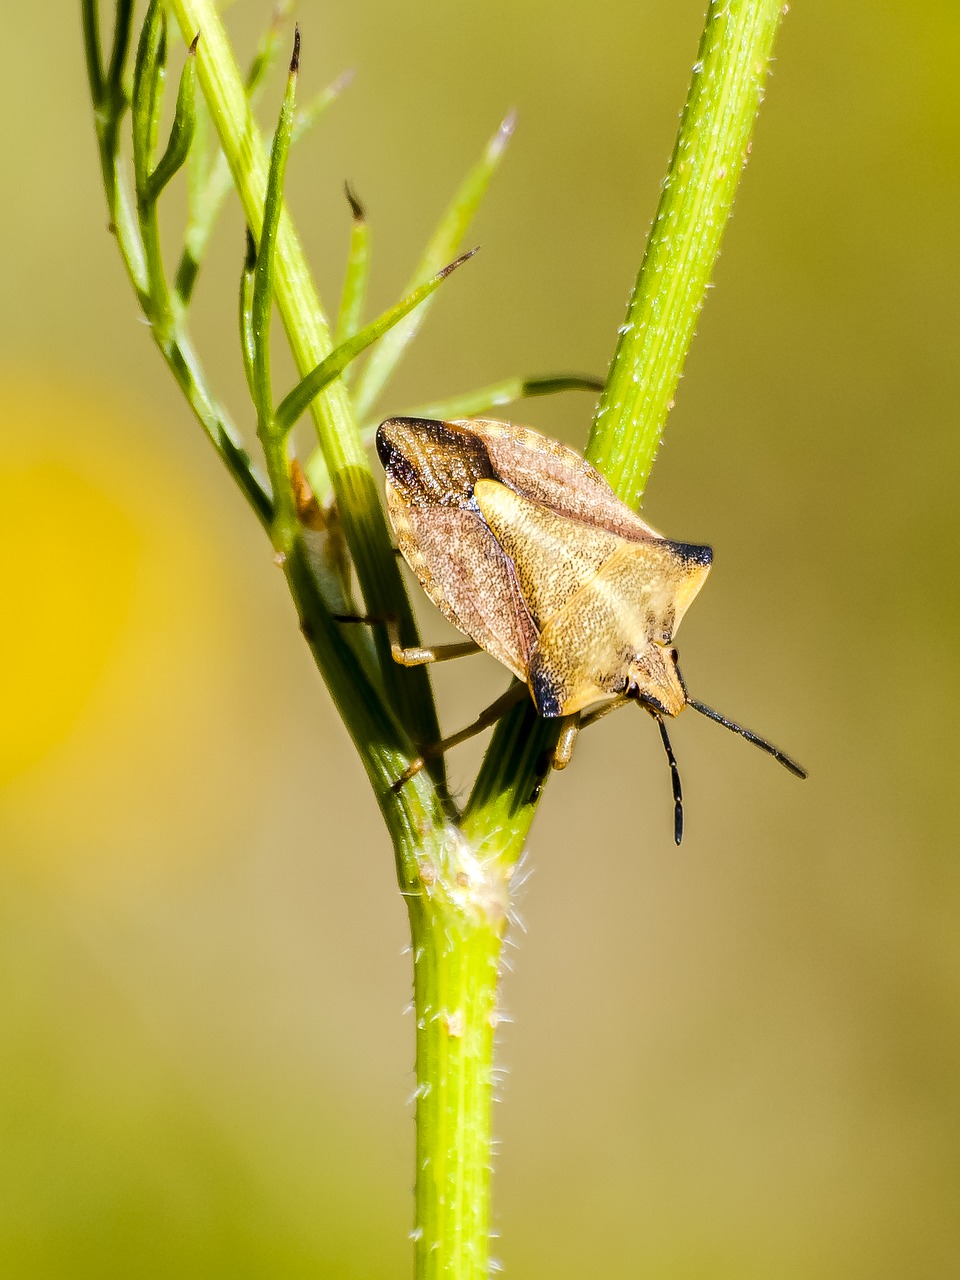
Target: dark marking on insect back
{"points": [[542, 687], [431, 463], [693, 555]]}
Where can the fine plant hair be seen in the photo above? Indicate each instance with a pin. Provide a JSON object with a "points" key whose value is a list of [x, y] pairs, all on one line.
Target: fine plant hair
{"points": [[321, 507]]}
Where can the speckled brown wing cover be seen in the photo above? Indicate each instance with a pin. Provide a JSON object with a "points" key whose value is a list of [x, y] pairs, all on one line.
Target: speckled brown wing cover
{"points": [[431, 470], [556, 476]]}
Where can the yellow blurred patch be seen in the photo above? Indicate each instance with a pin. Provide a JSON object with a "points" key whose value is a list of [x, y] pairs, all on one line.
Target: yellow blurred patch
{"points": [[67, 570], [127, 643]]}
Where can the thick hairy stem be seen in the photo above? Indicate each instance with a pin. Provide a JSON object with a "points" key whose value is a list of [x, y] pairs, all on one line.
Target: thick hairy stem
{"points": [[457, 924]]}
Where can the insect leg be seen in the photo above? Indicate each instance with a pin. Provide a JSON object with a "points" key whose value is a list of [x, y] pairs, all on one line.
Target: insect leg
{"points": [[572, 726], [436, 653], [568, 735], [613, 705], [559, 757], [484, 720], [490, 715], [416, 656]]}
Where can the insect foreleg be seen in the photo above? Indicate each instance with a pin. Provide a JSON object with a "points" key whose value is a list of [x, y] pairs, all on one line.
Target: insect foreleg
{"points": [[572, 726], [415, 656], [568, 735], [490, 715]]}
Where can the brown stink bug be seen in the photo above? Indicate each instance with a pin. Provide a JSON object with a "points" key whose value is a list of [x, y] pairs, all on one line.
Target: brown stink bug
{"points": [[524, 546]]}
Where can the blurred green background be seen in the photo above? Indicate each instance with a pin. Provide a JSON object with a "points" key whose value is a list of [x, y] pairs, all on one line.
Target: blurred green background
{"points": [[736, 1060]]}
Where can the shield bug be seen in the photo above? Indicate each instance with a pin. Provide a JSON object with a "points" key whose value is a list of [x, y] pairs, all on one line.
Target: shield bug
{"points": [[524, 547]]}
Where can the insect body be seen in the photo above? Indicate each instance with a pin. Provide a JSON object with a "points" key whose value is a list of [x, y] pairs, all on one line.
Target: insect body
{"points": [[524, 546]]}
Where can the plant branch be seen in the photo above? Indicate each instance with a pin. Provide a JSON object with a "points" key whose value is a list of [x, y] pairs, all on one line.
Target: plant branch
{"points": [[457, 925], [310, 341], [353, 295], [110, 105], [443, 245], [710, 151]]}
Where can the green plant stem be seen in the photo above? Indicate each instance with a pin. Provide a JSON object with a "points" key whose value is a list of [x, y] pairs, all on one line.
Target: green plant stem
{"points": [[110, 106], [361, 513], [708, 157], [457, 917], [711, 149], [457, 924]]}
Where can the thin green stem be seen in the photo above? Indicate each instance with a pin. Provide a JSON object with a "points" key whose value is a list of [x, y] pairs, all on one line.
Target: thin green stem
{"points": [[192, 381], [473, 404], [711, 150], [262, 300], [708, 158], [121, 41], [110, 104], [93, 50], [297, 401], [310, 341]]}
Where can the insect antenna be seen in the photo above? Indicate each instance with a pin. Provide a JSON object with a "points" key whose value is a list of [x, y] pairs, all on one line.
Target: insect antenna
{"points": [[675, 779], [762, 743]]}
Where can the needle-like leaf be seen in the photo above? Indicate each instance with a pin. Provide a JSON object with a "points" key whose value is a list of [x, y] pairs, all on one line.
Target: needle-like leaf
{"points": [[248, 344], [443, 244], [148, 77], [298, 400], [472, 404], [262, 301], [358, 267], [212, 182], [183, 129]]}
